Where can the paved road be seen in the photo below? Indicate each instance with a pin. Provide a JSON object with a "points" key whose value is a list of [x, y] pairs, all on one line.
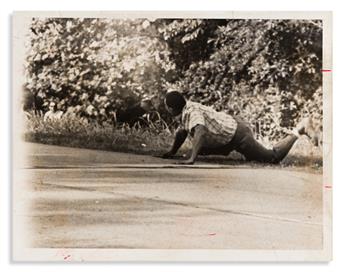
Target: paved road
{"points": [[84, 198]]}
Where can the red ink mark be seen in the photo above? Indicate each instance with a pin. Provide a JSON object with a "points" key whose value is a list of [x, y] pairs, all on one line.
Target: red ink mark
{"points": [[212, 234], [326, 70], [65, 258], [328, 186]]}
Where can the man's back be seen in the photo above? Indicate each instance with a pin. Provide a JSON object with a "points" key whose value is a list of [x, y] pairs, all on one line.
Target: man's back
{"points": [[221, 127]]}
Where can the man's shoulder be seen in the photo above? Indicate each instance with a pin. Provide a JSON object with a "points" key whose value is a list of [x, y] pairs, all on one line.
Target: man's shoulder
{"points": [[190, 105], [190, 108]]}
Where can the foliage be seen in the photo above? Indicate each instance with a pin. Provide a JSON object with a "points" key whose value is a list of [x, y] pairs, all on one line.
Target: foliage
{"points": [[262, 70], [75, 131], [266, 71], [94, 67]]}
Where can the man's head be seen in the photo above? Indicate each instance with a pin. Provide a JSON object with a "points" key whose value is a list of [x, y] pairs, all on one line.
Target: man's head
{"points": [[174, 103]]}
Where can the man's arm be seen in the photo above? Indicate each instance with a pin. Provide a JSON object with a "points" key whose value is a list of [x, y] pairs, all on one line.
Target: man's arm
{"points": [[198, 143], [180, 137]]}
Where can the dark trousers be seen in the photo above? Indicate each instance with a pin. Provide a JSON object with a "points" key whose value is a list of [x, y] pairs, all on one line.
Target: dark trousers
{"points": [[245, 143]]}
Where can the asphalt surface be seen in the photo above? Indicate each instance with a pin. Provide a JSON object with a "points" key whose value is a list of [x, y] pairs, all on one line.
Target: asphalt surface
{"points": [[82, 198]]}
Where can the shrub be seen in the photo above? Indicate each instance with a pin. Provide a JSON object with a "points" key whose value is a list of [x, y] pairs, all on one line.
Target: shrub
{"points": [[266, 71]]}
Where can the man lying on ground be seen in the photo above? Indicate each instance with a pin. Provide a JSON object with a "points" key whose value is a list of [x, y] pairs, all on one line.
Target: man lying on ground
{"points": [[218, 133]]}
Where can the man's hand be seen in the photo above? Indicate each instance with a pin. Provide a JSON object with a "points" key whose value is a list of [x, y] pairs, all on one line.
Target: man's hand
{"points": [[186, 162], [168, 155], [180, 137]]}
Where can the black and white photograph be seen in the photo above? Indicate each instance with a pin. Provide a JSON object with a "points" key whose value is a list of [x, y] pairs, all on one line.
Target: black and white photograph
{"points": [[172, 136]]}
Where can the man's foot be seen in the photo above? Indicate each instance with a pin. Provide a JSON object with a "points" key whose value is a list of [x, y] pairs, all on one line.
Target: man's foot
{"points": [[305, 127], [308, 128]]}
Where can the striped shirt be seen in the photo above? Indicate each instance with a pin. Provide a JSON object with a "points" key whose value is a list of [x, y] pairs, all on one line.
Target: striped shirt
{"points": [[220, 127]]}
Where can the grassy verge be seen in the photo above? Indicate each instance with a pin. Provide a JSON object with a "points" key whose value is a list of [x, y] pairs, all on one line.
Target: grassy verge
{"points": [[154, 139], [75, 132]]}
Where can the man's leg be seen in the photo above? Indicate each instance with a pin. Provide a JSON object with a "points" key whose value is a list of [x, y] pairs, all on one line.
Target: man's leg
{"points": [[247, 145]]}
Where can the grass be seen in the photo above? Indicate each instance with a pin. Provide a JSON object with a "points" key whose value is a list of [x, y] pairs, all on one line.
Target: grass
{"points": [[154, 139], [76, 132]]}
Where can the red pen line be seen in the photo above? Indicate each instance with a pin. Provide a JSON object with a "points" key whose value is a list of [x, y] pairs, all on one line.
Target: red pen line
{"points": [[326, 70], [328, 186], [67, 257], [212, 234]]}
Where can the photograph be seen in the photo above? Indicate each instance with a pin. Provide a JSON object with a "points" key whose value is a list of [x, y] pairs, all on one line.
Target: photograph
{"points": [[171, 136]]}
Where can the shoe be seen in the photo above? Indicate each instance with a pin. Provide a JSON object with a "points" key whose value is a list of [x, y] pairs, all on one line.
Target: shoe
{"points": [[307, 127]]}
